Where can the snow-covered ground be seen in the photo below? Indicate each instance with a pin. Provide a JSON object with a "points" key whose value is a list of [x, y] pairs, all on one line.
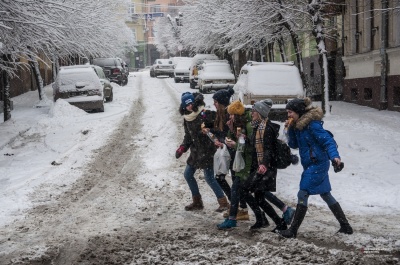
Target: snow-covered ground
{"points": [[48, 147]]}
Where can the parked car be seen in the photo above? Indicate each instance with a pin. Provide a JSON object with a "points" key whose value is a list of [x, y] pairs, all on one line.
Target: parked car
{"points": [[163, 67], [152, 71], [80, 86], [215, 75], [108, 89], [114, 69], [196, 61], [280, 82], [181, 71]]}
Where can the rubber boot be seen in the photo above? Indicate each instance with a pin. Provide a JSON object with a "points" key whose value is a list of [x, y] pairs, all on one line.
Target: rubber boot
{"points": [[345, 227], [223, 205], [298, 218], [269, 210], [261, 221], [197, 204], [280, 226]]}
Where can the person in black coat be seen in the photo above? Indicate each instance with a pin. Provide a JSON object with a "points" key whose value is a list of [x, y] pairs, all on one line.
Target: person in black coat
{"points": [[263, 169]]}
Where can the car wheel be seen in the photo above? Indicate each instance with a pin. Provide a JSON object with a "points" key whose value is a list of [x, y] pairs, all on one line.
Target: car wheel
{"points": [[176, 80], [101, 109], [126, 81], [192, 86], [110, 98]]}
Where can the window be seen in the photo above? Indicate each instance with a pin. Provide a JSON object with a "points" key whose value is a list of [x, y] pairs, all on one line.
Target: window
{"points": [[354, 94], [131, 9], [367, 93], [156, 8], [396, 96], [311, 69]]}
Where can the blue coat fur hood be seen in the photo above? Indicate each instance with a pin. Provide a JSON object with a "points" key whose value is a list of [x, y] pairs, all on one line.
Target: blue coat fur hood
{"points": [[316, 148]]}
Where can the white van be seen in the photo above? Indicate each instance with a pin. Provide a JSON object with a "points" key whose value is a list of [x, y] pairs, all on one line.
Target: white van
{"points": [[279, 82], [196, 61]]}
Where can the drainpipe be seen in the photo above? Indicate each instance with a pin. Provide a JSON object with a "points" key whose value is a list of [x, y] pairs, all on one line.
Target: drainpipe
{"points": [[383, 104]]}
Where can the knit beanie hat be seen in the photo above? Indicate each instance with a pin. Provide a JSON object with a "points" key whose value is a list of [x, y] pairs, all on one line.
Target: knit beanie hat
{"points": [[298, 105], [236, 107], [223, 96], [263, 107], [186, 99]]}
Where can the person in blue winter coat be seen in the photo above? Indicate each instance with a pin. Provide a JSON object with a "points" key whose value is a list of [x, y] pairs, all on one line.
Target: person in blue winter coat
{"points": [[317, 149]]}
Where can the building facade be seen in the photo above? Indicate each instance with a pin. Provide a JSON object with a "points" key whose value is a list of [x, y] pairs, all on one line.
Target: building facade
{"points": [[371, 42]]}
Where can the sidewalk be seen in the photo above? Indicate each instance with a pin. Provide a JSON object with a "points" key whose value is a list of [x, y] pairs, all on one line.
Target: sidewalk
{"points": [[24, 115]]}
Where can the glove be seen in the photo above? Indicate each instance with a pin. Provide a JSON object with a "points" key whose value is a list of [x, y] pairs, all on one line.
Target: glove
{"points": [[337, 167], [179, 152]]}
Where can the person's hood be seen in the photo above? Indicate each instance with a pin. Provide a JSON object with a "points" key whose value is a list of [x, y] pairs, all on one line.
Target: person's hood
{"points": [[313, 113]]}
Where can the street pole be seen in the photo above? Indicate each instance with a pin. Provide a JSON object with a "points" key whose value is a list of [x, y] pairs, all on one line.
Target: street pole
{"points": [[383, 92]]}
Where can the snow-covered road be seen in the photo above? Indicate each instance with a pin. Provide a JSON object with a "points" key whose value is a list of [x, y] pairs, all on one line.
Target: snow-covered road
{"points": [[116, 193]]}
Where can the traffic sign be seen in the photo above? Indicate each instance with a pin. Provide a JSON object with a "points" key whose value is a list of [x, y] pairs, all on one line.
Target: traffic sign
{"points": [[150, 16]]}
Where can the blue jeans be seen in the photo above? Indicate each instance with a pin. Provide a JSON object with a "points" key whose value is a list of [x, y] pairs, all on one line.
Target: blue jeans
{"points": [[209, 177], [303, 195]]}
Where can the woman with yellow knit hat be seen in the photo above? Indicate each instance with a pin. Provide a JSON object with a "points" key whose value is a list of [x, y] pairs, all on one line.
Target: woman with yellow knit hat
{"points": [[238, 118]]}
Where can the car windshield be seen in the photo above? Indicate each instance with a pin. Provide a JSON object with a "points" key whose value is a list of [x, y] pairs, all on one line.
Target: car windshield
{"points": [[217, 68], [184, 64], [104, 61], [164, 62]]}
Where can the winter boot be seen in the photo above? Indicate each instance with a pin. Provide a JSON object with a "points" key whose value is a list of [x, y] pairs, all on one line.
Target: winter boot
{"points": [[281, 225], [298, 218], [264, 219], [288, 215], [227, 224], [261, 219], [197, 204], [223, 205], [345, 227], [242, 215]]}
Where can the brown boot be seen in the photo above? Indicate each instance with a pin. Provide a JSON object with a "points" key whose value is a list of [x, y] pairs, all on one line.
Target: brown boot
{"points": [[223, 205], [242, 215], [197, 204]]}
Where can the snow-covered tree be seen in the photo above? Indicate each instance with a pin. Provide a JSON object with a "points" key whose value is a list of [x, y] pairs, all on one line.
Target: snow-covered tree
{"points": [[59, 28]]}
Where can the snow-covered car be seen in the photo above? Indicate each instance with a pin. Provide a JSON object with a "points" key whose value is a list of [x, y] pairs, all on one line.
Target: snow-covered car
{"points": [[108, 89], [197, 60], [215, 75], [163, 67], [181, 71], [278, 81], [79, 86]]}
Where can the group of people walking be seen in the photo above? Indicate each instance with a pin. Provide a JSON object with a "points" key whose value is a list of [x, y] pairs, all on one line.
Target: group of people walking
{"points": [[250, 132]]}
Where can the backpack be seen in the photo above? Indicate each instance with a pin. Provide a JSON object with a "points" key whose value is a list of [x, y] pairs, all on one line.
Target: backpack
{"points": [[283, 154]]}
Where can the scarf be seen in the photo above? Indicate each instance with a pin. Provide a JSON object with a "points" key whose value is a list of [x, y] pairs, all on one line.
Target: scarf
{"points": [[259, 125], [193, 115]]}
